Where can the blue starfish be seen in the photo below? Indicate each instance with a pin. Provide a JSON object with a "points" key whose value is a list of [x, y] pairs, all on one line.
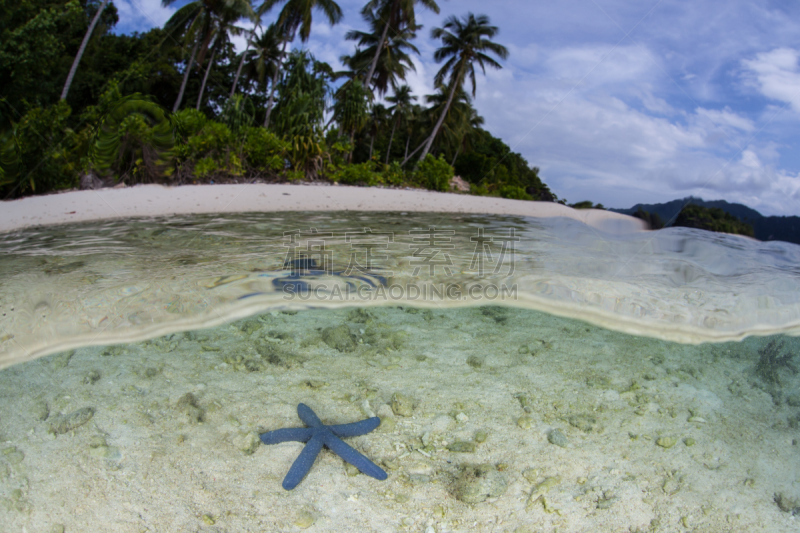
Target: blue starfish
{"points": [[317, 435]]}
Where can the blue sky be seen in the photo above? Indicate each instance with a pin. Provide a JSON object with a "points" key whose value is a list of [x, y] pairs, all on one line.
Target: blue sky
{"points": [[622, 102]]}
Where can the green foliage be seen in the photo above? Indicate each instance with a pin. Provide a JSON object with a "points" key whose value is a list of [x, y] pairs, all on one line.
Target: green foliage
{"points": [[338, 149], [394, 61], [351, 109], [44, 145], [211, 148], [513, 192], [306, 151], [491, 163], [653, 220], [205, 166], [588, 204], [39, 154], [263, 150], [109, 98], [299, 113], [33, 49], [188, 122], [479, 189], [207, 151], [393, 174], [301, 96], [39, 40], [712, 219], [434, 173], [357, 174], [134, 140], [295, 175], [238, 113], [214, 139]]}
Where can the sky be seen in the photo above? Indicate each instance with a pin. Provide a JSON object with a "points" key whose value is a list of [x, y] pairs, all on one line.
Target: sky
{"points": [[619, 101]]}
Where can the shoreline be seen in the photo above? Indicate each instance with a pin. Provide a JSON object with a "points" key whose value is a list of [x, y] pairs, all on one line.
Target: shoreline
{"points": [[159, 200]]}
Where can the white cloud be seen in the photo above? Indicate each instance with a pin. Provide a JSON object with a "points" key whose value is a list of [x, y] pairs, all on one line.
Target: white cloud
{"points": [[240, 41], [776, 75], [591, 145], [726, 118], [421, 80], [526, 56], [136, 15], [601, 64]]}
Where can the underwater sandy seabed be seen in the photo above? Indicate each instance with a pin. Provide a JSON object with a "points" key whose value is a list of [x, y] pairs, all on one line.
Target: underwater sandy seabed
{"points": [[582, 429]]}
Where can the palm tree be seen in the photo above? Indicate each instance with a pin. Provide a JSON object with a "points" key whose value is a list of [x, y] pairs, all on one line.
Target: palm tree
{"points": [[223, 28], [393, 56], [82, 49], [266, 62], [297, 15], [182, 23], [402, 100], [251, 40], [464, 132], [351, 109], [413, 119], [299, 113], [466, 42], [375, 123], [393, 14], [457, 122], [199, 22]]}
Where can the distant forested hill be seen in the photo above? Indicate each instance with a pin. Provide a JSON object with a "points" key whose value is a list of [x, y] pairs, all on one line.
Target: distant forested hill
{"points": [[765, 228]]}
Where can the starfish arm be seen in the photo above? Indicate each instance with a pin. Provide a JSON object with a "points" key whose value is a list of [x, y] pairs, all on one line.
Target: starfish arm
{"points": [[286, 434], [303, 463], [308, 416], [353, 457], [355, 429]]}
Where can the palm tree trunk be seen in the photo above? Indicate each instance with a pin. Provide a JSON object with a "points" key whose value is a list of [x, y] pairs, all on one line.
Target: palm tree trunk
{"points": [[274, 83], [205, 78], [458, 149], [185, 77], [441, 118], [371, 143], [350, 154], [391, 138], [417, 149], [239, 70], [374, 64], [271, 100], [408, 141], [82, 49], [244, 55]]}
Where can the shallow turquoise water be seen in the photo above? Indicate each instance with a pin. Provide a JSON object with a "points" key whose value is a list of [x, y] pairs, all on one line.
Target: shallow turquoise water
{"points": [[510, 329]]}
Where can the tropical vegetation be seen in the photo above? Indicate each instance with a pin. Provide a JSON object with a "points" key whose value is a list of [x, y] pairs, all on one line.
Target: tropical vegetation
{"points": [[178, 104], [712, 219]]}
